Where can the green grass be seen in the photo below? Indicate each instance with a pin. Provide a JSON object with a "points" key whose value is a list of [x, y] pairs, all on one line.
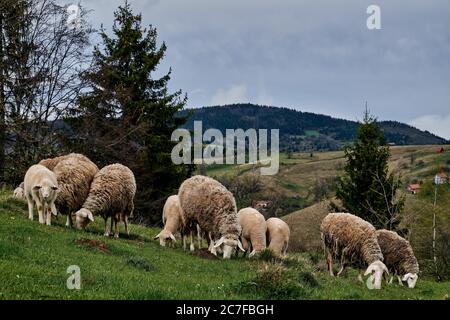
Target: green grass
{"points": [[34, 259]]}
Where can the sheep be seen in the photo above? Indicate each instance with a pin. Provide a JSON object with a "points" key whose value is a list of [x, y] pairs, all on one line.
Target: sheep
{"points": [[171, 219], [19, 192], [41, 188], [51, 163], [254, 230], [355, 241], [111, 195], [208, 203], [74, 173], [278, 234], [398, 257]]}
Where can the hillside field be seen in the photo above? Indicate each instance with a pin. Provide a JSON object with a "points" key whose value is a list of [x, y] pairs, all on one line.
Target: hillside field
{"points": [[34, 259]]}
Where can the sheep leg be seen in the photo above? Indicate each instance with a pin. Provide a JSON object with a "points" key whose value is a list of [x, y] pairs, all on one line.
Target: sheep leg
{"points": [[360, 277], [192, 246], [30, 209], [116, 228], [40, 209], [285, 250], [183, 239], [49, 215], [69, 222], [330, 263], [391, 280], [106, 233], [125, 221], [199, 237], [341, 270], [400, 281]]}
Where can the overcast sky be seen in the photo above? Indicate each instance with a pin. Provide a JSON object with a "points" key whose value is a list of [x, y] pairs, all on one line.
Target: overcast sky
{"points": [[315, 55]]}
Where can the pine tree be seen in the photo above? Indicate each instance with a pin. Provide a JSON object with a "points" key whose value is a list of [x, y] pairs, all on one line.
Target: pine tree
{"points": [[367, 189], [129, 116]]}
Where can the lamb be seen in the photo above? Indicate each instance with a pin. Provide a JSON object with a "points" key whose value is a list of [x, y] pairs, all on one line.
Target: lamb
{"points": [[277, 236], [254, 230], [74, 173], [111, 195], [355, 241], [398, 257], [171, 219], [19, 192], [41, 188], [208, 203]]}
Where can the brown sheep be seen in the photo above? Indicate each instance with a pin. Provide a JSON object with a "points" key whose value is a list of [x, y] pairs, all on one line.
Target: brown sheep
{"points": [[398, 257], [355, 241], [207, 202], [111, 195], [74, 174]]}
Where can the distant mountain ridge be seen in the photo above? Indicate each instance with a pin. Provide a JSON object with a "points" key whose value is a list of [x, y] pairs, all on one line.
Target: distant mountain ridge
{"points": [[302, 131]]}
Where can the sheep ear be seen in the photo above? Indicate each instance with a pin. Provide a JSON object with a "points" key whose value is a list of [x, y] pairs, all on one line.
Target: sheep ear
{"points": [[91, 216], [37, 187], [173, 237], [219, 242], [157, 236], [240, 246], [406, 276]]}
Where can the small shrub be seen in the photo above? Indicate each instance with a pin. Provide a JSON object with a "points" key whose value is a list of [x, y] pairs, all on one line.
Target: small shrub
{"points": [[274, 282], [140, 263]]}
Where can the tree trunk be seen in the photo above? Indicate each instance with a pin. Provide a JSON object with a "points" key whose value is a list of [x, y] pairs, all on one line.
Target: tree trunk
{"points": [[2, 107]]}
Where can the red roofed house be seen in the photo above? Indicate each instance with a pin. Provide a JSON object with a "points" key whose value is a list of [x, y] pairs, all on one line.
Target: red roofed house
{"points": [[414, 188]]}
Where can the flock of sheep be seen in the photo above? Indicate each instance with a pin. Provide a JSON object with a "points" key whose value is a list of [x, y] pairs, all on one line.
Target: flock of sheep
{"points": [[73, 184]]}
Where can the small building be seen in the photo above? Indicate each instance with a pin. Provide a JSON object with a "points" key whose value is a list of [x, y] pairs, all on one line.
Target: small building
{"points": [[440, 178], [414, 188]]}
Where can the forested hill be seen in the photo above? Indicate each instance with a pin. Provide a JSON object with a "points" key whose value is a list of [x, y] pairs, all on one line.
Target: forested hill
{"points": [[302, 131]]}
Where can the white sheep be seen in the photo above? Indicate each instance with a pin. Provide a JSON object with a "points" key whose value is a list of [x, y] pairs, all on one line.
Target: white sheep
{"points": [[41, 188], [278, 234], [354, 240], [207, 202], [172, 220], [19, 192], [254, 230]]}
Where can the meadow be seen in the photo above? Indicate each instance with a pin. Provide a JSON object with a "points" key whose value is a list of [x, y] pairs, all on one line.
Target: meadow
{"points": [[34, 259]]}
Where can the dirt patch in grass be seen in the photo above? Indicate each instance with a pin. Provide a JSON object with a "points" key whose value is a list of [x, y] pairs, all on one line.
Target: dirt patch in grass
{"points": [[93, 244], [205, 254]]}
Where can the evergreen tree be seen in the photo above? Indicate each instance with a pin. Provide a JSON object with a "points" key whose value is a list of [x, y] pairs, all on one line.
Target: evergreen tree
{"points": [[367, 189], [129, 116]]}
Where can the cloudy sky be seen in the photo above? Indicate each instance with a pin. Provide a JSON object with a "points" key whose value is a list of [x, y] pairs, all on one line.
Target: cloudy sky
{"points": [[314, 55]]}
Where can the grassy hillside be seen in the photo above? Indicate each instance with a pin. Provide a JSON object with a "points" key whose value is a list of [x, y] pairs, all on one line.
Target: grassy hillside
{"points": [[300, 173], [34, 259]]}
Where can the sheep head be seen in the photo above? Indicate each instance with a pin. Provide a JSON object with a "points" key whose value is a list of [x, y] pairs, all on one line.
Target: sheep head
{"points": [[46, 189], [375, 273], [411, 279], [83, 218], [165, 237], [228, 246]]}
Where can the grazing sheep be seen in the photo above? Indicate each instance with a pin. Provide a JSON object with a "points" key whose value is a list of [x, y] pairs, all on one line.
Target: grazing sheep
{"points": [[172, 219], [19, 192], [51, 163], [398, 257], [111, 195], [207, 202], [277, 236], [355, 241], [74, 173], [254, 230], [41, 188]]}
